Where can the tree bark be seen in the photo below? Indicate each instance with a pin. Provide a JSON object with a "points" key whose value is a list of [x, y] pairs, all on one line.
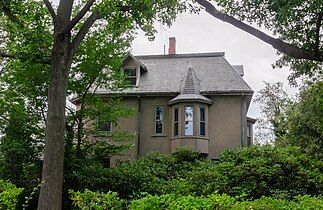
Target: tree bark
{"points": [[50, 197]]}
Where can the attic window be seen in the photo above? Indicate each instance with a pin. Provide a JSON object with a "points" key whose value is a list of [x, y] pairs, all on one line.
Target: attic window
{"points": [[131, 75]]}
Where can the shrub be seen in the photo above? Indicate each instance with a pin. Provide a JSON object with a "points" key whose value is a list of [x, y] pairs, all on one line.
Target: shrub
{"points": [[9, 195], [223, 202], [154, 174], [97, 201], [257, 171]]}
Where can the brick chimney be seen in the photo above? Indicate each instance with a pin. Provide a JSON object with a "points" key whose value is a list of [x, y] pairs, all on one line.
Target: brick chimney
{"points": [[172, 46]]}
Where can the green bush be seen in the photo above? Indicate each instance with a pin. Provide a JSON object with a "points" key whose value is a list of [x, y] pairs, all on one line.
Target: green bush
{"points": [[97, 201], [223, 202], [9, 195], [154, 174], [260, 171]]}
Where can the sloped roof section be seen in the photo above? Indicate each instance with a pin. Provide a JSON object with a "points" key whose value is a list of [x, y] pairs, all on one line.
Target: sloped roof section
{"points": [[190, 90], [191, 84], [165, 73]]}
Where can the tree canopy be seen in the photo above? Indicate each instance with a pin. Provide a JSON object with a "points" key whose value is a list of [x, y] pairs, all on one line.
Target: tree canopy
{"points": [[43, 37], [296, 26]]}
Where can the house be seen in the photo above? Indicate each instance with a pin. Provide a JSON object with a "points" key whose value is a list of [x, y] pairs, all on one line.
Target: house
{"points": [[193, 100]]}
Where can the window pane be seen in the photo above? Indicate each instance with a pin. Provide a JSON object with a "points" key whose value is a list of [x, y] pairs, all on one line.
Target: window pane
{"points": [[105, 127], [202, 128], [159, 114], [202, 121], [176, 122], [159, 127], [188, 120], [176, 115], [130, 75], [202, 114], [132, 81], [130, 72], [176, 129], [248, 130]]}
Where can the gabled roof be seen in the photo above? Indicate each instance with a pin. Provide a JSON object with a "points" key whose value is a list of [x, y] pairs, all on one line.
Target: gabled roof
{"points": [[130, 56], [165, 72]]}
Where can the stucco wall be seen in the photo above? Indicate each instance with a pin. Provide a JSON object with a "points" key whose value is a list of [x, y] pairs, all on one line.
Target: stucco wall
{"points": [[223, 123]]}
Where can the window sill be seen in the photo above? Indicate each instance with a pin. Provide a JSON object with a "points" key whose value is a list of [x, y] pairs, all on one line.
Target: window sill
{"points": [[159, 135], [190, 137], [103, 134]]}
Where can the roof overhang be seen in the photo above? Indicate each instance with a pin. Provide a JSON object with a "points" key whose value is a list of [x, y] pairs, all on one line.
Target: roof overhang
{"points": [[130, 56]]}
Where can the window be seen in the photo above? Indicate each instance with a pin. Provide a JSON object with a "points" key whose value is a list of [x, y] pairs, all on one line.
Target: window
{"points": [[188, 120], [202, 121], [104, 127], [248, 135], [131, 75], [159, 117], [176, 122]]}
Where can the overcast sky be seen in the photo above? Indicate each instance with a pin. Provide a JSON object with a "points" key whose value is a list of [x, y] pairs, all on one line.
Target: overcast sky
{"points": [[203, 33]]}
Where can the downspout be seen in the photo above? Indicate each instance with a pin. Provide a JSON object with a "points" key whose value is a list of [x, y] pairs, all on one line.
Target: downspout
{"points": [[243, 119], [139, 122]]}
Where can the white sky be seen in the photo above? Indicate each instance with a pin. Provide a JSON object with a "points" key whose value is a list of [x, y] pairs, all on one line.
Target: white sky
{"points": [[203, 33]]}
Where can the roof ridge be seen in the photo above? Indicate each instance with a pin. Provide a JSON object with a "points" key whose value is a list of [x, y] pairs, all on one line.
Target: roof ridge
{"points": [[185, 55]]}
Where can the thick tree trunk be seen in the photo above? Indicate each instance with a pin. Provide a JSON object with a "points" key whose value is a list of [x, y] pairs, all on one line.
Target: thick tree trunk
{"points": [[52, 174]]}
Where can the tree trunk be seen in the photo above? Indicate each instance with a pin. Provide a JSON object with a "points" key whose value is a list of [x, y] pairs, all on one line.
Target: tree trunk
{"points": [[52, 175]]}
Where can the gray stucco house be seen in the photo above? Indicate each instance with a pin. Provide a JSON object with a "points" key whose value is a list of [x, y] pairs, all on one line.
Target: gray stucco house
{"points": [[197, 100]]}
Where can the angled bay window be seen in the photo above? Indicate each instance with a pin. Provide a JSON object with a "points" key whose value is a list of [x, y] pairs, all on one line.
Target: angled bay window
{"points": [[131, 75], [159, 117], [176, 122], [188, 121], [202, 121]]}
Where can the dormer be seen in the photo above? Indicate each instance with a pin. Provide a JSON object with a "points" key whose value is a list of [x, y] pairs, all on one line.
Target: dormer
{"points": [[132, 68]]}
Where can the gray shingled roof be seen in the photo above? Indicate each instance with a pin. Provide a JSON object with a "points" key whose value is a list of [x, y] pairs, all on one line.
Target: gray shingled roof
{"points": [[190, 90], [165, 73]]}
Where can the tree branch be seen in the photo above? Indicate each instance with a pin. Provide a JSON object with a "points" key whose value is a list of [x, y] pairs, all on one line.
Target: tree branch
{"points": [[278, 44], [83, 31], [12, 56], [317, 33], [51, 10], [80, 15], [7, 11]]}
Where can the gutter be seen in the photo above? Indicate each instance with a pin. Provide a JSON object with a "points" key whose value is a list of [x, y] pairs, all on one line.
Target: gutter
{"points": [[243, 119], [139, 122]]}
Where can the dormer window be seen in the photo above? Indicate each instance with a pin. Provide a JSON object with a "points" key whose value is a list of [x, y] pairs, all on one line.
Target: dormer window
{"points": [[131, 75]]}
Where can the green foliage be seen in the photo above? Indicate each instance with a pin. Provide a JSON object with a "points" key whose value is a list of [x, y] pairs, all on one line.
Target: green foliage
{"points": [[273, 102], [9, 195], [97, 201], [155, 173], [305, 122], [296, 22], [268, 171], [215, 201], [20, 147], [249, 173]]}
